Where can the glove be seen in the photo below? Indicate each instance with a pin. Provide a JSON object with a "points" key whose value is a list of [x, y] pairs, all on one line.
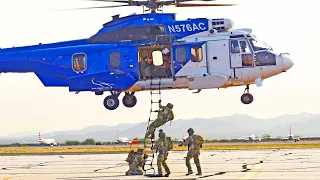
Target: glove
{"points": [[146, 156]]}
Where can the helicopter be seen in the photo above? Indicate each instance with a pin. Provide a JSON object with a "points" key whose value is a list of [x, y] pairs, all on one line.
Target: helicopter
{"points": [[193, 54]]}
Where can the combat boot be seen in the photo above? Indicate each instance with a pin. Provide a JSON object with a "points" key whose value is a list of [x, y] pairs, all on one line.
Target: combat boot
{"points": [[199, 174], [190, 172], [158, 175], [167, 175]]}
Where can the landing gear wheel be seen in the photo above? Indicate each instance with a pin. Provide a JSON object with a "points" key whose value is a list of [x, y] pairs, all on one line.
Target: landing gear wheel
{"points": [[111, 102], [246, 98], [129, 100]]}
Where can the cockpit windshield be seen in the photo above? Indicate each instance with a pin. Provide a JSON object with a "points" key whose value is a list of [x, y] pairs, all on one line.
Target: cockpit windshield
{"points": [[258, 45]]}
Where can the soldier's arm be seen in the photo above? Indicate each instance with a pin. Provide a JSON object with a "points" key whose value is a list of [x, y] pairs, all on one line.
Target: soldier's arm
{"points": [[186, 142], [155, 145]]}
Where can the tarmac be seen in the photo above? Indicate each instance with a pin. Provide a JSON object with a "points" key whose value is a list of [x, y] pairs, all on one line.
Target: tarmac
{"points": [[251, 164]]}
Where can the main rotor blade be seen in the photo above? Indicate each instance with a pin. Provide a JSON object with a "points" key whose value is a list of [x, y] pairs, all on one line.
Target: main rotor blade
{"points": [[130, 2], [199, 5], [118, 1], [101, 7]]}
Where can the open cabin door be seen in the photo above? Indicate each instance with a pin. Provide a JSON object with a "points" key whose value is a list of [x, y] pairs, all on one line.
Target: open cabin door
{"points": [[189, 59]]}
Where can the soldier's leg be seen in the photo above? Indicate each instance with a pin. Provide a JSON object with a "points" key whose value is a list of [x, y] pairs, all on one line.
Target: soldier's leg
{"points": [[151, 129], [136, 171], [139, 171], [164, 164], [189, 156], [197, 162], [159, 161], [129, 171]]}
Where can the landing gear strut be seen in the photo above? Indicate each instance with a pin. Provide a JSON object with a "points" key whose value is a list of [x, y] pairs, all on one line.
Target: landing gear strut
{"points": [[112, 102], [246, 98], [129, 100]]}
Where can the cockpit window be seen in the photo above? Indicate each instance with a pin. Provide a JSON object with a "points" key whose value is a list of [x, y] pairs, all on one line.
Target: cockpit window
{"points": [[258, 45], [265, 58], [235, 48], [244, 46]]}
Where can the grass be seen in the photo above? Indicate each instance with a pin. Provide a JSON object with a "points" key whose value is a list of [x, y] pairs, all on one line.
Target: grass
{"points": [[94, 149]]}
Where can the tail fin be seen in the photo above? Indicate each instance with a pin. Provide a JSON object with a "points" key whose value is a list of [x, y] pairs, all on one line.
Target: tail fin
{"points": [[40, 138], [290, 131]]}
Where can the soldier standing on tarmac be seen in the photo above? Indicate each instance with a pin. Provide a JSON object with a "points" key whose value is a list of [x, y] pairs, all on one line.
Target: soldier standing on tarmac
{"points": [[194, 143], [163, 145]]}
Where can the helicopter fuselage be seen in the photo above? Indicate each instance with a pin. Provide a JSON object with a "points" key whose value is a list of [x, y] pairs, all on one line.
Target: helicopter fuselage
{"points": [[203, 54]]}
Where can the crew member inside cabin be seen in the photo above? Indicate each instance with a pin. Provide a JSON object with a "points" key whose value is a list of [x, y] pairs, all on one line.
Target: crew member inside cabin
{"points": [[146, 67], [235, 47], [167, 61]]}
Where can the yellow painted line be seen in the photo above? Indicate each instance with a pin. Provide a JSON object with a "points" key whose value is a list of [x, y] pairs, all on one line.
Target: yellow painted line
{"points": [[254, 170]]}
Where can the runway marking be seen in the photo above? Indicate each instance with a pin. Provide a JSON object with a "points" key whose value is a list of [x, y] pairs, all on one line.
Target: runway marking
{"points": [[254, 170]]}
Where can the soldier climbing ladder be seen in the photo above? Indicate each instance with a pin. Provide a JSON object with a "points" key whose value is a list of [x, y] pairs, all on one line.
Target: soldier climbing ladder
{"points": [[155, 92]]}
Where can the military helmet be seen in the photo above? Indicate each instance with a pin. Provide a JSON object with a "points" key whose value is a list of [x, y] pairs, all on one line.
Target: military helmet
{"points": [[190, 130], [169, 105], [162, 134]]}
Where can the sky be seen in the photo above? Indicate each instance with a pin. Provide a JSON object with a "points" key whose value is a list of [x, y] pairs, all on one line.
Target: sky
{"points": [[26, 105]]}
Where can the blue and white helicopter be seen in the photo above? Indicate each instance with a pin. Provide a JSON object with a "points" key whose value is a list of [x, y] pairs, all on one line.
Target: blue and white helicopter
{"points": [[192, 54]]}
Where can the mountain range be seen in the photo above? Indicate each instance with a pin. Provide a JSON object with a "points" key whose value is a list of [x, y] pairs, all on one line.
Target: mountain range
{"points": [[226, 127]]}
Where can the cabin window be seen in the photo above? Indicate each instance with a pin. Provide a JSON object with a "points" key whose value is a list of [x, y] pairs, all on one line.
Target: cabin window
{"points": [[157, 58], [181, 54], [79, 62], [196, 54], [115, 59]]}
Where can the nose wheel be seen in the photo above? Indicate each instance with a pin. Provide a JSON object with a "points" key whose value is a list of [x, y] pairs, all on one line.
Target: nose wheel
{"points": [[246, 97]]}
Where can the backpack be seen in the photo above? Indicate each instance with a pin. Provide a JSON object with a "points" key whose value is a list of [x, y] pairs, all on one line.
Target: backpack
{"points": [[130, 156], [171, 116], [169, 143], [199, 140]]}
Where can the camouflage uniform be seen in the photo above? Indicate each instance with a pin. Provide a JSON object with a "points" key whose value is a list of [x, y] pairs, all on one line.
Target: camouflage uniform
{"points": [[164, 115], [194, 145], [136, 161], [162, 147]]}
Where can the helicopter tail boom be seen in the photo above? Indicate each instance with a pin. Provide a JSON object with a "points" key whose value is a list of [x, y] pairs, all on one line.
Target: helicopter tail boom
{"points": [[14, 65]]}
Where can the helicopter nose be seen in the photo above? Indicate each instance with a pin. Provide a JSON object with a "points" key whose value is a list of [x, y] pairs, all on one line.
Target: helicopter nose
{"points": [[287, 63]]}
